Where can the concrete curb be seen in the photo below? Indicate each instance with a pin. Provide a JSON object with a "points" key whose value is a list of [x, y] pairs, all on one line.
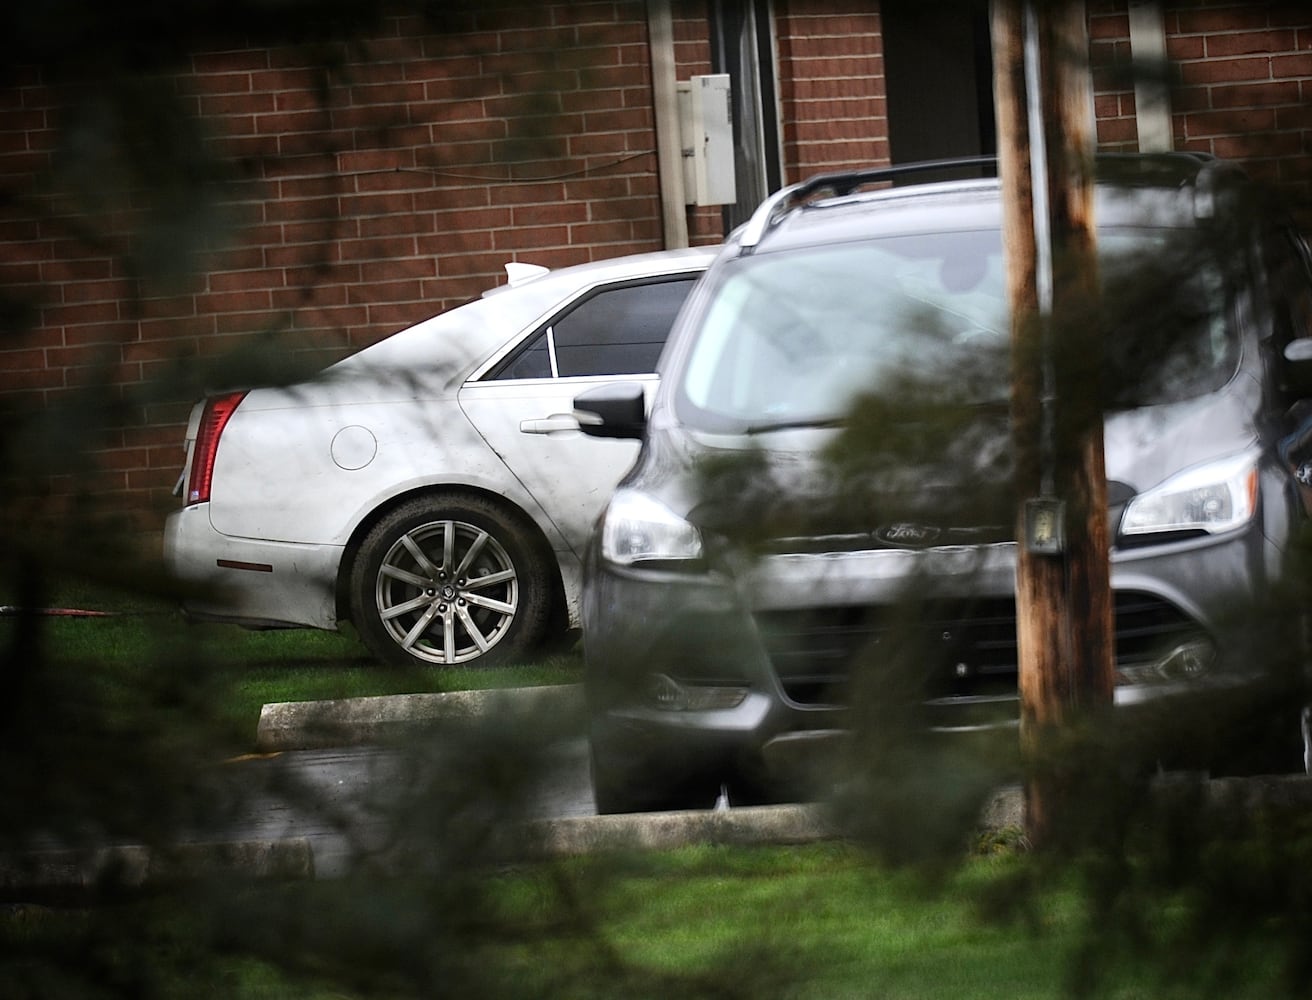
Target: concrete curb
{"points": [[740, 827], [355, 721], [318, 725], [76, 872], [309, 725], [745, 827], [61, 873], [79, 873]]}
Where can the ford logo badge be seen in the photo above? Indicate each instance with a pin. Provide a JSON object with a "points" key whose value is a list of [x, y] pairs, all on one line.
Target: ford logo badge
{"points": [[907, 535]]}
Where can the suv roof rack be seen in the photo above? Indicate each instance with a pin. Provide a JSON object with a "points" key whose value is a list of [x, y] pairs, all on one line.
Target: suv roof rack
{"points": [[839, 185], [1203, 171]]}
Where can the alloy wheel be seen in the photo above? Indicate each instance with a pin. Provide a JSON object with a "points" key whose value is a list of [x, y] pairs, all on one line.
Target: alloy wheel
{"points": [[447, 592]]}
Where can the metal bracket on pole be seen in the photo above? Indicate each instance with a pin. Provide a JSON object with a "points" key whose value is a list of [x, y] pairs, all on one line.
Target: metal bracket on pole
{"points": [[1045, 526]]}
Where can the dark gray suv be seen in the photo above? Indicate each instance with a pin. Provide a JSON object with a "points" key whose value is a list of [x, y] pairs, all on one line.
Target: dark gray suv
{"points": [[825, 469]]}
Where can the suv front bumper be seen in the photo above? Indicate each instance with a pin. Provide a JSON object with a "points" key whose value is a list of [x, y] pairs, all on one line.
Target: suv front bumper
{"points": [[737, 672]]}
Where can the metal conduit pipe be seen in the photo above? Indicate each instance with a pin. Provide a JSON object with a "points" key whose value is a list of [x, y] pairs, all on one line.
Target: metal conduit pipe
{"points": [[1152, 97], [665, 100]]}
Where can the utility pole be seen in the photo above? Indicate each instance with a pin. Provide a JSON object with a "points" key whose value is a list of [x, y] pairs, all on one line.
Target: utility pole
{"points": [[1063, 598]]}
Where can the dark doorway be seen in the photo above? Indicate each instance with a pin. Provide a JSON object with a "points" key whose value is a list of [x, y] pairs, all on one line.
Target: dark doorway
{"points": [[939, 70]]}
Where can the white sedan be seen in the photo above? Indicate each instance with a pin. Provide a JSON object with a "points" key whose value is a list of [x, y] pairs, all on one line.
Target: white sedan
{"points": [[433, 489]]}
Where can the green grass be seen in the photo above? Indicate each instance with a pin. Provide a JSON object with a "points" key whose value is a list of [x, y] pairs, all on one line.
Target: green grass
{"points": [[245, 669], [822, 922], [787, 922], [819, 922]]}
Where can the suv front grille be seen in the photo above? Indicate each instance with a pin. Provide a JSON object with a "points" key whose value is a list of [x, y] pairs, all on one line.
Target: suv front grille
{"points": [[955, 649]]}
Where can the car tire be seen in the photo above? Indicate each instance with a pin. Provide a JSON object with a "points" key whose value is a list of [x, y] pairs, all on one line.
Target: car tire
{"points": [[450, 581], [611, 791], [617, 790]]}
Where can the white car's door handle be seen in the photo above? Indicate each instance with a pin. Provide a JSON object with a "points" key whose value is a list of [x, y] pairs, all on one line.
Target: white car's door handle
{"points": [[549, 425]]}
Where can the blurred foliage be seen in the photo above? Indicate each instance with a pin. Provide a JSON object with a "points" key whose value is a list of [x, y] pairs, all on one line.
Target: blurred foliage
{"points": [[93, 757], [1195, 884], [133, 753]]}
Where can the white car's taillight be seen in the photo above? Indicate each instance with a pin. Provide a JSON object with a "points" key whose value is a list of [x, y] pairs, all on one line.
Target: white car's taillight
{"points": [[218, 410]]}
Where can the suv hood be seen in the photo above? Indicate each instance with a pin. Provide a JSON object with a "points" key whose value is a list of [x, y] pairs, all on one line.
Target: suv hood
{"points": [[1145, 446], [809, 488]]}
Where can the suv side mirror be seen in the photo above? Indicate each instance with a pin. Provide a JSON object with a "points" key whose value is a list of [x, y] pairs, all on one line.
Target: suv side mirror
{"points": [[618, 410]]}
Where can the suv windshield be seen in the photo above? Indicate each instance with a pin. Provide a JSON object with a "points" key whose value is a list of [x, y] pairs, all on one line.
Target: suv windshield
{"points": [[791, 339]]}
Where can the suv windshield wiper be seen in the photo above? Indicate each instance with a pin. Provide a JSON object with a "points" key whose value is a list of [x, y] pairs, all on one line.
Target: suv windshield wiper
{"points": [[787, 425]]}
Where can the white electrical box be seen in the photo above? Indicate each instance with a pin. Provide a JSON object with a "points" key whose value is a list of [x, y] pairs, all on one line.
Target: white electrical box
{"points": [[706, 135]]}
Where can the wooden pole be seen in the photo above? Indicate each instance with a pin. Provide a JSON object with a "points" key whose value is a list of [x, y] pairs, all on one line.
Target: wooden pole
{"points": [[1063, 602]]}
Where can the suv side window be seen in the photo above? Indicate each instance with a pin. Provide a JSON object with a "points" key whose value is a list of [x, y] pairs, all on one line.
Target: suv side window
{"points": [[1289, 275], [1301, 293], [1290, 281], [617, 331]]}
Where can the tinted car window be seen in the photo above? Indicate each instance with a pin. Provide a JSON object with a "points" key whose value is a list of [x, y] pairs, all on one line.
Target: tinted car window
{"points": [[618, 331], [533, 361]]}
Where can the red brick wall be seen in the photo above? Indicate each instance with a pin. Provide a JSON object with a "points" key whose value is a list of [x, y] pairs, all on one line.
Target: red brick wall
{"points": [[831, 71], [442, 158], [1109, 54], [1241, 86], [400, 189], [399, 184]]}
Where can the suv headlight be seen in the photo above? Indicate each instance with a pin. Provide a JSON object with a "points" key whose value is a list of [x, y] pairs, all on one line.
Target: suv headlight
{"points": [[638, 529], [1215, 498]]}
